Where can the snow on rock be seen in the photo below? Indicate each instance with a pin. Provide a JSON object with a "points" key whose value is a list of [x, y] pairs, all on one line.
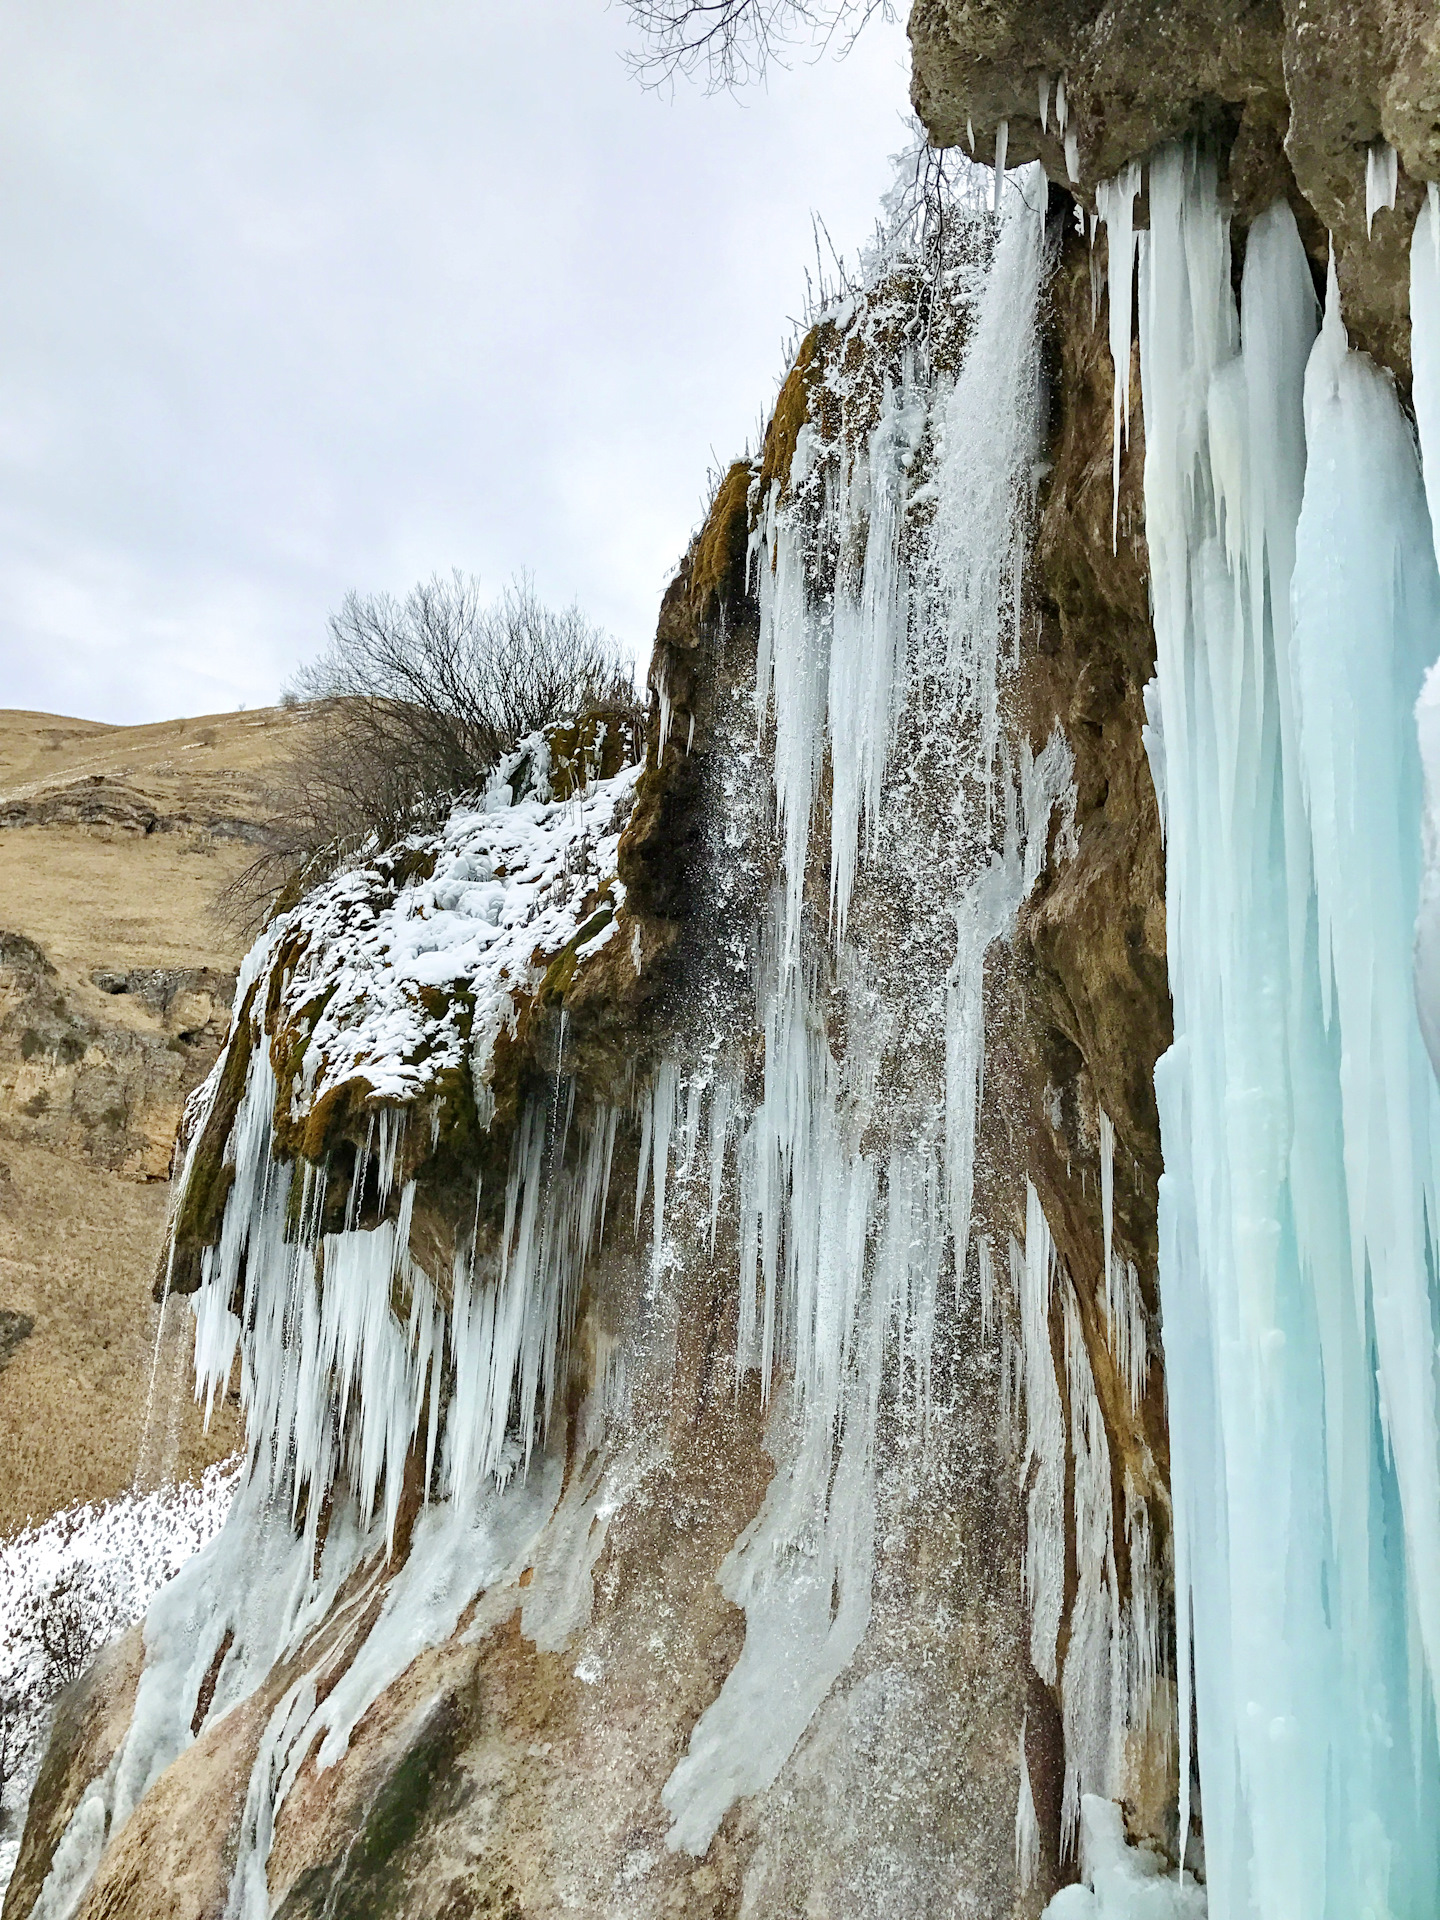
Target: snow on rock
{"points": [[76, 1582], [1122, 1882], [509, 887], [388, 989]]}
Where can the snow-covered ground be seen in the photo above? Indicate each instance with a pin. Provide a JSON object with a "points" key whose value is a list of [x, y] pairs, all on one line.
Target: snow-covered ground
{"points": [[78, 1581]]}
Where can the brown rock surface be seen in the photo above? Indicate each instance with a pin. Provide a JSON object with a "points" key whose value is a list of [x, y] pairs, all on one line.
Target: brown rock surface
{"points": [[1296, 92], [115, 987]]}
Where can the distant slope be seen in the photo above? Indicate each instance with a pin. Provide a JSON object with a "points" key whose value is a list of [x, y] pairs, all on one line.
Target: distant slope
{"points": [[115, 988]]}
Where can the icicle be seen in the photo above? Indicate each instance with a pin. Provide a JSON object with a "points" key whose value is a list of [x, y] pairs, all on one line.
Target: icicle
{"points": [[1002, 141], [1027, 1827], [1124, 1305], [1425, 359], [1044, 103], [985, 1262], [1107, 1207], [1093, 1702], [722, 1107], [663, 1097], [1382, 175], [1295, 602], [1115, 203], [867, 651], [1044, 1468]]}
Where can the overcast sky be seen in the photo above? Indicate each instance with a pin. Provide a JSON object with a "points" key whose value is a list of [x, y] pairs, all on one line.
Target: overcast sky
{"points": [[304, 295]]}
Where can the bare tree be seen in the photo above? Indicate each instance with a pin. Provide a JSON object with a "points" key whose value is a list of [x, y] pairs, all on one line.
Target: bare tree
{"points": [[14, 1736], [732, 42], [70, 1626], [412, 704]]}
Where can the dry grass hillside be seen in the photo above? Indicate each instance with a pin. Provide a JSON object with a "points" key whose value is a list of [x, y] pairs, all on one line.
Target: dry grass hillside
{"points": [[115, 984]]}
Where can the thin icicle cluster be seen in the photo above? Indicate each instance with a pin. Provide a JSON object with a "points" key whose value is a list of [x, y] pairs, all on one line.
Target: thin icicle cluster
{"points": [[1127, 1324], [350, 1354], [1113, 1641], [890, 572], [1296, 606]]}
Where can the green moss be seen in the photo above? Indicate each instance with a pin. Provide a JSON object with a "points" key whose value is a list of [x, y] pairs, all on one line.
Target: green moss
{"points": [[561, 970], [717, 566], [329, 1118], [594, 747], [202, 1204], [794, 405], [367, 1881]]}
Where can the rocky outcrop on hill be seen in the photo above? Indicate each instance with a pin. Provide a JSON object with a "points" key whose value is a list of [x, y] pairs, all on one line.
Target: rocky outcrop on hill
{"points": [[115, 987]]}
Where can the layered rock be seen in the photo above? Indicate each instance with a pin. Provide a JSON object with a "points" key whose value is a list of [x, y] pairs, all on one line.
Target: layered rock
{"points": [[1307, 99]]}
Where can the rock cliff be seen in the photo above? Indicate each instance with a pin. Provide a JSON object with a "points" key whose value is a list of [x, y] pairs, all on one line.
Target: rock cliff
{"points": [[1310, 100], [686, 1234]]}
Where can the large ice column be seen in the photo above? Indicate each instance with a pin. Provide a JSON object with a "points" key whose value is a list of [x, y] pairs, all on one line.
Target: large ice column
{"points": [[1425, 360], [1291, 587]]}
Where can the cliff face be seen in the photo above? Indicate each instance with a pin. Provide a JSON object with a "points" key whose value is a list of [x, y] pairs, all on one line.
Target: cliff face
{"points": [[718, 1550], [115, 988], [796, 1535], [1310, 101]]}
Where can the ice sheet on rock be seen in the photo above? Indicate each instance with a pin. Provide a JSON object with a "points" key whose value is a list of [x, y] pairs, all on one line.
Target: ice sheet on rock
{"points": [[249, 1597], [123, 1552], [802, 1571], [459, 1549], [844, 1240]]}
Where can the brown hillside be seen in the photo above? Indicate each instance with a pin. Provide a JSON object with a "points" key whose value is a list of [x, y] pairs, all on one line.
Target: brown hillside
{"points": [[115, 986]]}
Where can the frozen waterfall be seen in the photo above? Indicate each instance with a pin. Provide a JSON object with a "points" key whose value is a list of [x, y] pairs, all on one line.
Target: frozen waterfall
{"points": [[1296, 607]]}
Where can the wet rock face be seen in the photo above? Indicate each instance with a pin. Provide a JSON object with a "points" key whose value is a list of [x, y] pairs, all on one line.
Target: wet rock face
{"points": [[1297, 94], [1095, 991]]}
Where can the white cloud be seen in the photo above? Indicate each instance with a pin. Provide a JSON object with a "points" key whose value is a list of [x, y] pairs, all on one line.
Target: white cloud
{"points": [[312, 294]]}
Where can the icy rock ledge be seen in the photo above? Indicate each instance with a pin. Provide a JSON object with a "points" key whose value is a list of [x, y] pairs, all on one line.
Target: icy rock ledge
{"points": [[1122, 1882]]}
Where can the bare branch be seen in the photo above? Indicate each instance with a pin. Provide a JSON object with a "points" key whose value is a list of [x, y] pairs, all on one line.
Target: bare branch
{"points": [[732, 43], [411, 705]]}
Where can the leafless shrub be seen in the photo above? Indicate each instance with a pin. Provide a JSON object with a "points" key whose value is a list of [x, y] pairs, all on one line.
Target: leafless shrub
{"points": [[733, 42], [71, 1624], [15, 1735], [413, 703], [50, 1633]]}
